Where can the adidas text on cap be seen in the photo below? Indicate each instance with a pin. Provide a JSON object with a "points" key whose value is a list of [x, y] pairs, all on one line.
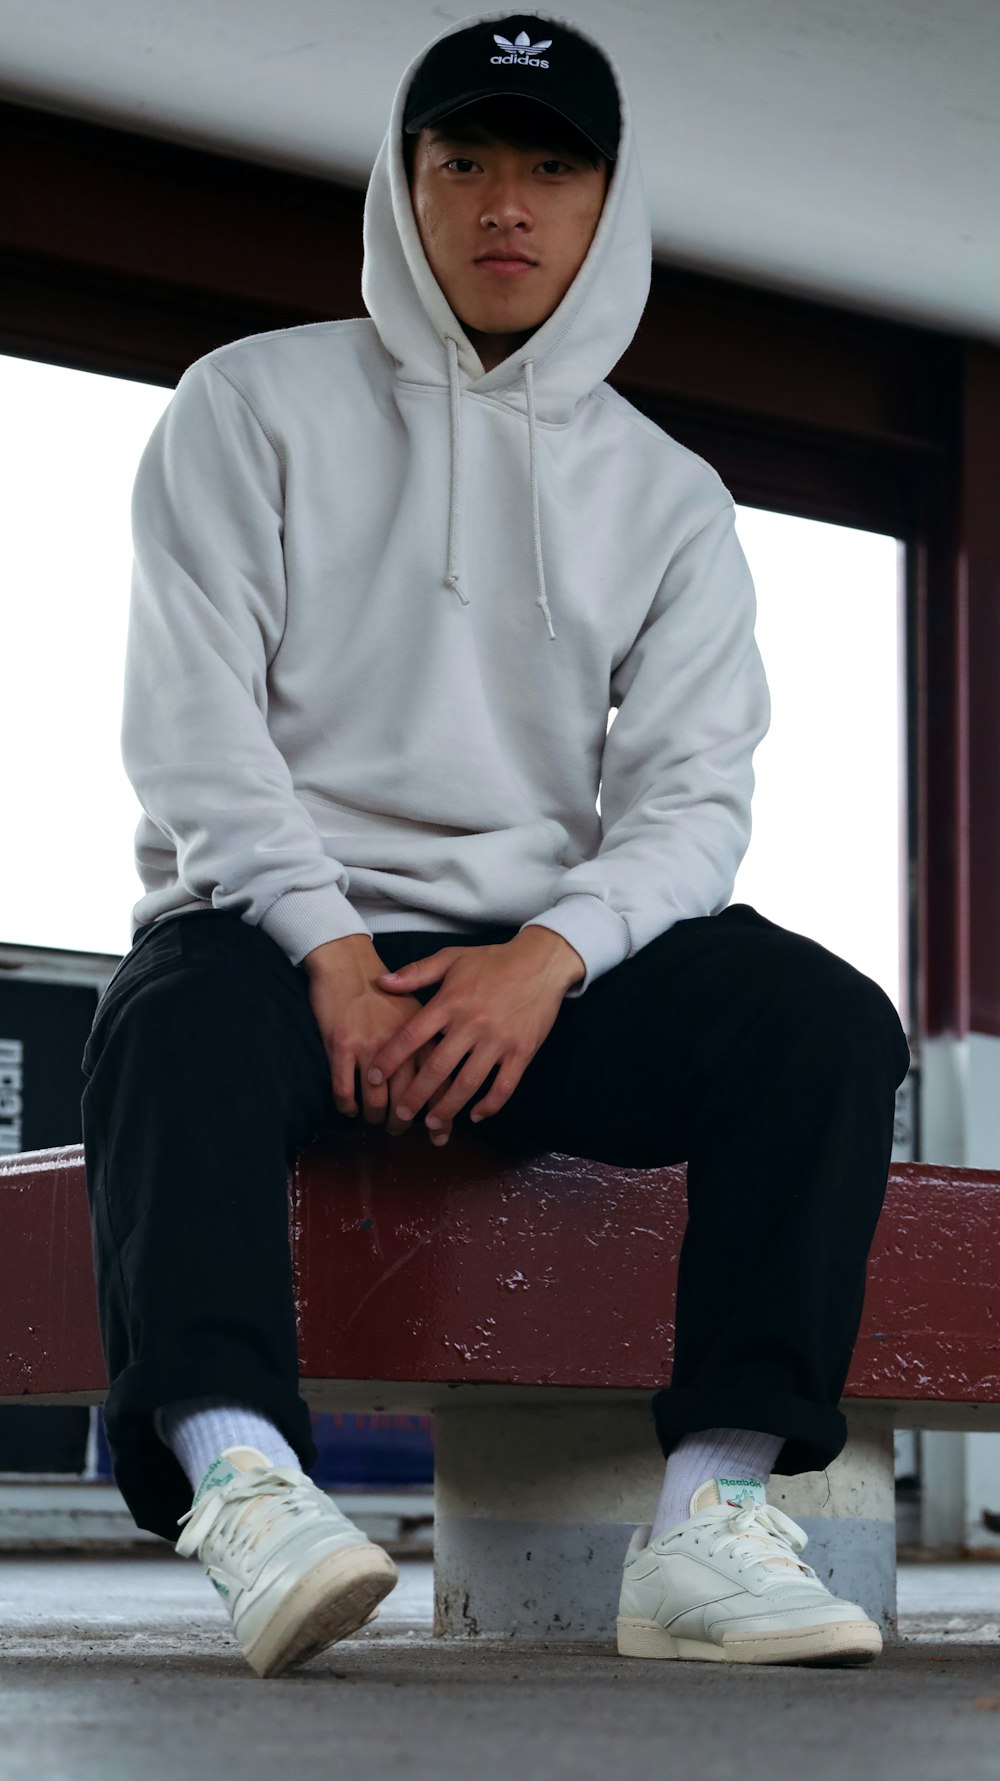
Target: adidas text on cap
{"points": [[524, 55]]}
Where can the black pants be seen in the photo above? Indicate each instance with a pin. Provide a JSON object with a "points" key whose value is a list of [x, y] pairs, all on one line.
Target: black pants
{"points": [[761, 1059]]}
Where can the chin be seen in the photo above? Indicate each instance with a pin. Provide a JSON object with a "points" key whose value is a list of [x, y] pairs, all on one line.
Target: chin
{"points": [[512, 319]]}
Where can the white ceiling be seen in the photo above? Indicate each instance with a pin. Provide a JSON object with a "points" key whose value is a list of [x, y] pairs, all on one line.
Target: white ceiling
{"points": [[848, 149]]}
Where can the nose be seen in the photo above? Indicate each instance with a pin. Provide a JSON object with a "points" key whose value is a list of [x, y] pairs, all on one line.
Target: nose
{"points": [[506, 203]]}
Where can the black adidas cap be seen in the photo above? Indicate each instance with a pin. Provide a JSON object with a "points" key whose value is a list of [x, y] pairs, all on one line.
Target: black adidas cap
{"points": [[526, 55]]}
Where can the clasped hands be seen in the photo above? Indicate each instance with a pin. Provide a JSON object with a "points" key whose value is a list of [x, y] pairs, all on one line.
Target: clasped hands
{"points": [[496, 1005]]}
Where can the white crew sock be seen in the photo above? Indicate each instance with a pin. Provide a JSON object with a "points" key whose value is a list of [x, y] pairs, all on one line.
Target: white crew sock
{"points": [[711, 1453], [197, 1430]]}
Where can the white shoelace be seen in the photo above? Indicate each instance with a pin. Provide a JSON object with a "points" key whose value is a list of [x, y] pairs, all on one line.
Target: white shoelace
{"points": [[754, 1524], [216, 1505]]}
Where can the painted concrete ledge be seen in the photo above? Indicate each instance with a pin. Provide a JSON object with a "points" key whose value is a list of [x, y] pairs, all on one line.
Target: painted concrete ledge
{"points": [[55, 1513]]}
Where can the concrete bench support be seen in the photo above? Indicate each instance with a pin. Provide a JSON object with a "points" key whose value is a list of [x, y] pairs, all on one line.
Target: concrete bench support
{"points": [[849, 1514], [534, 1508]]}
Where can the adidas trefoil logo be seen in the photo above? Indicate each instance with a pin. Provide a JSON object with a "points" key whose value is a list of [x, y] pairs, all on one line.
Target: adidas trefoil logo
{"points": [[522, 52]]}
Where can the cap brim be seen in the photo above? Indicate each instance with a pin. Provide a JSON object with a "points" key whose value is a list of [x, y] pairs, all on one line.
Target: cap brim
{"points": [[432, 115]]}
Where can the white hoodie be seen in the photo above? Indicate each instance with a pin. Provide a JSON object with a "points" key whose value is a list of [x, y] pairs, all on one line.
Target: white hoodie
{"points": [[384, 602]]}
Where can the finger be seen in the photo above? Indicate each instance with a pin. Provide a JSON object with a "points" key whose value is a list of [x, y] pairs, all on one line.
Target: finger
{"points": [[427, 970], [342, 1073], [442, 1136], [397, 1090], [374, 1100], [470, 1076], [432, 1078], [407, 1039], [507, 1080], [398, 1085]]}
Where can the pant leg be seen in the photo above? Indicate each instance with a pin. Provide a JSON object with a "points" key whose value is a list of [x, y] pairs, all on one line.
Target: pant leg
{"points": [[202, 1077], [770, 1065], [790, 1155], [206, 1072]]}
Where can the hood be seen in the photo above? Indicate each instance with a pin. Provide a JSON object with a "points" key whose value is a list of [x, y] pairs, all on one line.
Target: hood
{"points": [[562, 361]]}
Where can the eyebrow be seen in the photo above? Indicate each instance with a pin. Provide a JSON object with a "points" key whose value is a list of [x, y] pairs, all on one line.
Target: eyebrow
{"points": [[470, 137], [464, 136]]}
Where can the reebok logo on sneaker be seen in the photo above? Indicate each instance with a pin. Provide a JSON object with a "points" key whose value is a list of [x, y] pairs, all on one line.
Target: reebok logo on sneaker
{"points": [[736, 1490], [219, 1472]]}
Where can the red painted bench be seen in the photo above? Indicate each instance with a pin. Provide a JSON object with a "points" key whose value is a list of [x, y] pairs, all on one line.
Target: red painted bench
{"points": [[527, 1302]]}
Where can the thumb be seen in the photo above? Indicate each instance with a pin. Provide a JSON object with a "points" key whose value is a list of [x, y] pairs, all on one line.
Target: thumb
{"points": [[420, 971], [402, 978]]}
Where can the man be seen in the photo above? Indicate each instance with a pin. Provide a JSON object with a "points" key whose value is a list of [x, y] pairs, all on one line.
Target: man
{"points": [[391, 577]]}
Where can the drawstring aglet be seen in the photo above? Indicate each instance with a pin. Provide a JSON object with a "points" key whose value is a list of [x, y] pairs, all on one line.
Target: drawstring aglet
{"points": [[452, 582]]}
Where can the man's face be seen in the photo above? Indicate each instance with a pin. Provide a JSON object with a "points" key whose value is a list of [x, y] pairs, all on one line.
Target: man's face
{"points": [[475, 194]]}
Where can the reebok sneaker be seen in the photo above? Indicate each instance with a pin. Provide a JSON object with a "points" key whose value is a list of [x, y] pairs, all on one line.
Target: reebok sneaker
{"points": [[727, 1586], [294, 1572]]}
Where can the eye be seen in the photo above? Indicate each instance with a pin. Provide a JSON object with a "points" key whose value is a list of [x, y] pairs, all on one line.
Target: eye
{"points": [[553, 164]]}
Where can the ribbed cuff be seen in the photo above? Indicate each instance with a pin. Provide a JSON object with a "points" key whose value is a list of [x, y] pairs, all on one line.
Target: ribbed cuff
{"points": [[599, 934], [303, 919]]}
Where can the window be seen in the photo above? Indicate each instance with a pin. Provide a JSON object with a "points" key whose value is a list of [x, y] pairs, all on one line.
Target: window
{"points": [[827, 855], [69, 450]]}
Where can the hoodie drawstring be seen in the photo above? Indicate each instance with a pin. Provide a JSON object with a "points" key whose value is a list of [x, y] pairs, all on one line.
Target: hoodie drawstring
{"points": [[529, 390], [452, 578], [455, 497]]}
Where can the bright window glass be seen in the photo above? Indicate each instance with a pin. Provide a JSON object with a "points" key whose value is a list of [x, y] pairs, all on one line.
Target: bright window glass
{"points": [[826, 854], [824, 857], [69, 448]]}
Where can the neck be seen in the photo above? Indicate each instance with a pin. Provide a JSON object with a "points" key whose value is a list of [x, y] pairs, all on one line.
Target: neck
{"points": [[494, 348]]}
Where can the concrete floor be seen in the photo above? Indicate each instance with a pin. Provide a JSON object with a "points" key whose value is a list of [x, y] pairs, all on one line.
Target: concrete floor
{"points": [[124, 1668]]}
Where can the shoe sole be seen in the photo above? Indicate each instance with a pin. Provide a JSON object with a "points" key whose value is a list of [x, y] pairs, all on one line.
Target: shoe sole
{"points": [[334, 1599], [838, 1643]]}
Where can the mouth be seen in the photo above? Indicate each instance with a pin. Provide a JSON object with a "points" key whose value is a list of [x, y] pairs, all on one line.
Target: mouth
{"points": [[506, 263]]}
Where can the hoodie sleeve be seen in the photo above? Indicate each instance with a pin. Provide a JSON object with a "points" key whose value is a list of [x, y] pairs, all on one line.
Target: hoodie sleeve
{"points": [[206, 618], [677, 776]]}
